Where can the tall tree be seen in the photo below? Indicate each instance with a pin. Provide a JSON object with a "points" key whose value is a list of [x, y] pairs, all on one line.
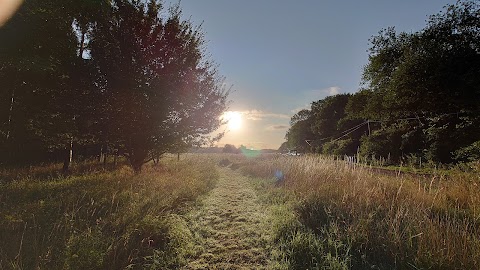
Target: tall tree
{"points": [[156, 83], [433, 77], [300, 131], [38, 57]]}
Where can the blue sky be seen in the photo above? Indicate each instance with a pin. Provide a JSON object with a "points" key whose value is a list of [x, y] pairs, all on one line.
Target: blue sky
{"points": [[282, 55]]}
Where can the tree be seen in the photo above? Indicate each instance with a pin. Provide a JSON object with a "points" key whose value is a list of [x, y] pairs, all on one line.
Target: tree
{"points": [[300, 131], [105, 74], [283, 147], [157, 86], [327, 114], [38, 62], [229, 148], [431, 77], [336, 132]]}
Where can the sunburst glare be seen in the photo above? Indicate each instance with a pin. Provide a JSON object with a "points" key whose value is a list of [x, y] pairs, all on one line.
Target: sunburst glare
{"points": [[233, 120]]}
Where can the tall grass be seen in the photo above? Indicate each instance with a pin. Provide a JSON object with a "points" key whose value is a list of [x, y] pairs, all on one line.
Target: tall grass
{"points": [[101, 219], [368, 220]]}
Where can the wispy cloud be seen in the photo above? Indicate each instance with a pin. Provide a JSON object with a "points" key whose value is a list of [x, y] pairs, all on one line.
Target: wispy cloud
{"points": [[317, 94], [322, 93], [277, 127], [258, 115]]}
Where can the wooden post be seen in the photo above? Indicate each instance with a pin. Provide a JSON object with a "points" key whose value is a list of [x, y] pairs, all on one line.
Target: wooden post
{"points": [[105, 160], [68, 156], [10, 114], [100, 158], [115, 157]]}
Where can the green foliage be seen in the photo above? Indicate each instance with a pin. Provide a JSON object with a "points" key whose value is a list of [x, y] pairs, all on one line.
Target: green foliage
{"points": [[311, 129], [300, 130], [431, 75], [327, 113], [468, 153], [382, 143], [298, 245], [341, 147], [38, 67], [86, 250], [420, 95]]}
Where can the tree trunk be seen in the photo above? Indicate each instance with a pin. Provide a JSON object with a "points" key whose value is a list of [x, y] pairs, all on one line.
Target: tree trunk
{"points": [[137, 159], [10, 114], [105, 160], [136, 165], [100, 157], [82, 45], [68, 156], [115, 158]]}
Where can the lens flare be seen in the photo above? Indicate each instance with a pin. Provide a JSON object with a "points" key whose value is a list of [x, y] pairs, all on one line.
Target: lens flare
{"points": [[233, 119], [7, 9]]}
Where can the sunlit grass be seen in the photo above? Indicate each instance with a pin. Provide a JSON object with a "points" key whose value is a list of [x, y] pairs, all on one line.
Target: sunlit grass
{"points": [[366, 219], [324, 213], [100, 219]]}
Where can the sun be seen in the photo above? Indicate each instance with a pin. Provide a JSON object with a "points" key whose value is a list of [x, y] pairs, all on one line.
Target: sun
{"points": [[233, 119]]}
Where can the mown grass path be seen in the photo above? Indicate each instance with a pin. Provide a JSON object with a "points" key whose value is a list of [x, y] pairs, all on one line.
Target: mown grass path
{"points": [[231, 227]]}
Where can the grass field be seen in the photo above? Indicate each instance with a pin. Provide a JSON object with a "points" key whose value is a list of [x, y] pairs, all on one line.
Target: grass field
{"points": [[348, 217], [230, 211], [99, 219]]}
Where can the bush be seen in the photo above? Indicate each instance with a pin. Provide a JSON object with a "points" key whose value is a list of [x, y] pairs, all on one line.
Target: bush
{"points": [[341, 147], [468, 153]]}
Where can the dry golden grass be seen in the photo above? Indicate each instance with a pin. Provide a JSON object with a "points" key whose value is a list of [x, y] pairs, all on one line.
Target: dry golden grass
{"points": [[100, 219], [387, 221]]}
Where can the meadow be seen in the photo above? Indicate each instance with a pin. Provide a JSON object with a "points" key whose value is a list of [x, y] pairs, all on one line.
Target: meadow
{"points": [[334, 215], [97, 218], [323, 213]]}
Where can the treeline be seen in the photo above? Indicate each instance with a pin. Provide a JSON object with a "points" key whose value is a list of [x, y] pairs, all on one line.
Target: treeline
{"points": [[420, 97], [88, 78]]}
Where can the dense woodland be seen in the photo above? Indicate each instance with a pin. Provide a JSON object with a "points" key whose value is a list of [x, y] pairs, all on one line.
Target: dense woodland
{"points": [[91, 78], [420, 97]]}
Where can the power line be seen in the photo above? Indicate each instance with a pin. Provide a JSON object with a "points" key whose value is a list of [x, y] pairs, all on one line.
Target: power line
{"points": [[418, 117], [359, 126], [353, 127], [350, 130]]}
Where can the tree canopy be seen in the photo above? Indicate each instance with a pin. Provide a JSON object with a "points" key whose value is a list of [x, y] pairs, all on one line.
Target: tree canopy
{"points": [[112, 75], [420, 95]]}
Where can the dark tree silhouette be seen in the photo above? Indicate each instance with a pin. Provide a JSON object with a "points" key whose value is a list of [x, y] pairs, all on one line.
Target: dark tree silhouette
{"points": [[158, 89], [105, 74]]}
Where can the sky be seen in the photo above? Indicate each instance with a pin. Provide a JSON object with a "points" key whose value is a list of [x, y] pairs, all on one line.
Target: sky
{"points": [[279, 55]]}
